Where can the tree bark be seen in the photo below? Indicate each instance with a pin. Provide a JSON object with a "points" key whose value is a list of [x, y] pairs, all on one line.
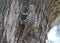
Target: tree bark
{"points": [[12, 15]]}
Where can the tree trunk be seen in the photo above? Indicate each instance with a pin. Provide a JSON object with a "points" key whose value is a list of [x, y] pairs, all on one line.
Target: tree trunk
{"points": [[12, 15]]}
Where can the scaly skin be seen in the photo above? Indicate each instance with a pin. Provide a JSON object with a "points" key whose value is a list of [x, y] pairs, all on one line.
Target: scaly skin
{"points": [[30, 21]]}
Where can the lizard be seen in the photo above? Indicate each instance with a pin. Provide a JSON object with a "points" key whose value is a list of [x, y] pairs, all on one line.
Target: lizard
{"points": [[30, 21]]}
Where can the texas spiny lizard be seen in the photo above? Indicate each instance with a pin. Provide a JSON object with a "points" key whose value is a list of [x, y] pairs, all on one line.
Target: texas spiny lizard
{"points": [[30, 21]]}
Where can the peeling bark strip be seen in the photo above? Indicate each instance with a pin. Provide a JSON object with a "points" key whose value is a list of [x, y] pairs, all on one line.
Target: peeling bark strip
{"points": [[1, 26], [10, 21]]}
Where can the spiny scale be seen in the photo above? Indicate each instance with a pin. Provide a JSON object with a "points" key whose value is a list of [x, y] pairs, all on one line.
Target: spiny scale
{"points": [[30, 21]]}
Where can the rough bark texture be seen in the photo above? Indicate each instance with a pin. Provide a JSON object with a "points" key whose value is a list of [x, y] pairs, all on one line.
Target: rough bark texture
{"points": [[12, 16]]}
